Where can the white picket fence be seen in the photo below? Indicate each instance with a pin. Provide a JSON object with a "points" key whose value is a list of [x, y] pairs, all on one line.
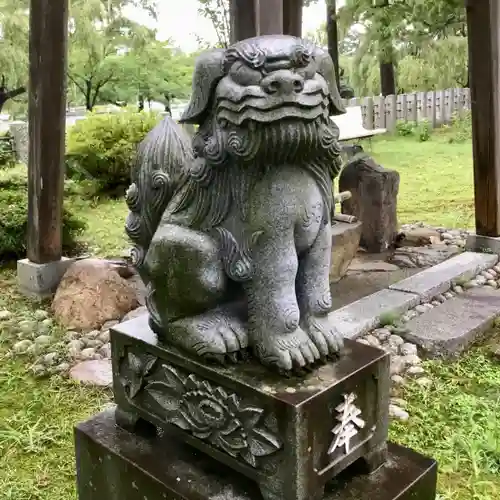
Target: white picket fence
{"points": [[437, 107]]}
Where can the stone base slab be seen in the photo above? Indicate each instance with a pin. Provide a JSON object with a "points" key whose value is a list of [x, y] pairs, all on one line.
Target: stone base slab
{"points": [[345, 245], [113, 463], [286, 434], [486, 244], [40, 281]]}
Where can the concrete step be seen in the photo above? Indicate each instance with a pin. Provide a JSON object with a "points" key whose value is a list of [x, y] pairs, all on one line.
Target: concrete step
{"points": [[447, 330]]}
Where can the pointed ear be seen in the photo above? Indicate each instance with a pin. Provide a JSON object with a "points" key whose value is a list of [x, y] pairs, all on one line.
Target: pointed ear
{"points": [[208, 70], [327, 70]]}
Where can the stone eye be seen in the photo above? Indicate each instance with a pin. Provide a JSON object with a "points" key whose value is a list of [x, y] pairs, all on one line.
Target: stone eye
{"points": [[244, 75]]}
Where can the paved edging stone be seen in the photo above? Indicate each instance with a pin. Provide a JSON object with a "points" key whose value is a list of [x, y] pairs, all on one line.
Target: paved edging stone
{"points": [[439, 279]]}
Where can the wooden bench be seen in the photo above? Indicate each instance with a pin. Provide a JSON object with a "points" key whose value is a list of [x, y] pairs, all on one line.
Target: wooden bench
{"points": [[351, 128]]}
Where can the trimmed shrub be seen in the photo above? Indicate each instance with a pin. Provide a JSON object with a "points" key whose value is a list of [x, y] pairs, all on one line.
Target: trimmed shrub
{"points": [[7, 156], [101, 148], [14, 218]]}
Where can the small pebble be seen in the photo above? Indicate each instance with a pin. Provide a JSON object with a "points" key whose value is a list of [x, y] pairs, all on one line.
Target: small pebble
{"points": [[291, 390], [471, 284], [87, 353], [93, 334], [412, 314], [4, 315], [449, 295], [109, 324], [447, 236], [63, 367], [399, 402], [412, 360], [39, 371], [481, 280], [396, 340], [415, 371], [493, 272], [488, 275], [424, 382], [397, 365], [398, 413], [50, 359], [27, 326], [43, 340], [74, 353], [71, 335], [22, 346], [382, 334], [407, 349], [441, 298], [497, 269], [93, 343], [458, 289], [104, 337], [428, 306], [372, 340], [421, 309], [33, 350], [436, 303], [76, 344], [405, 318], [40, 314], [492, 283], [105, 351]]}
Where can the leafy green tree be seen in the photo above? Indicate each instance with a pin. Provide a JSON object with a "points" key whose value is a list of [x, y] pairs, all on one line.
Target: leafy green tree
{"points": [[14, 29], [99, 35], [218, 12]]}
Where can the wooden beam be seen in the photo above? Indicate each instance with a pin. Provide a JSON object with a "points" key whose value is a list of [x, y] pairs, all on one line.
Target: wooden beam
{"points": [[243, 20], [269, 14], [333, 37], [47, 117], [483, 19], [292, 17]]}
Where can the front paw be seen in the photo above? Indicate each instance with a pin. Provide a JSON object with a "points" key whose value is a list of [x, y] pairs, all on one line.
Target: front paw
{"points": [[324, 335], [287, 351]]}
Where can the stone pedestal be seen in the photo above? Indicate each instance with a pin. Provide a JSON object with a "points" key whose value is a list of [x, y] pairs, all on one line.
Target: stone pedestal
{"points": [[114, 464], [40, 281], [290, 436]]}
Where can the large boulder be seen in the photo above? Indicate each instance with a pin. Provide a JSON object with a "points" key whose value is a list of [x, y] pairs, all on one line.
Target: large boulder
{"points": [[91, 292]]}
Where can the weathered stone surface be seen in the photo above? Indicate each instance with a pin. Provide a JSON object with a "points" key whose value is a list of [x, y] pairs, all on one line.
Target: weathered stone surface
{"points": [[477, 243], [423, 256], [374, 192], [345, 245], [438, 279], [114, 463], [91, 293], [140, 311], [363, 315], [94, 372], [449, 329]]}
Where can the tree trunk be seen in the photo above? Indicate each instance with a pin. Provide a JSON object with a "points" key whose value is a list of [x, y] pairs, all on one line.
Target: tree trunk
{"points": [[141, 103], [333, 37], [88, 96], [387, 78]]}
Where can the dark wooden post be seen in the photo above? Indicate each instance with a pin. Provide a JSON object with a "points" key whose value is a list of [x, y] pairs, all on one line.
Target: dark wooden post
{"points": [[333, 37], [483, 18], [243, 19], [292, 17], [47, 116], [269, 15]]}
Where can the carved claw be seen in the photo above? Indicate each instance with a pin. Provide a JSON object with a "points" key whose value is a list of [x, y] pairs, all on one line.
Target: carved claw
{"points": [[287, 352], [325, 337]]}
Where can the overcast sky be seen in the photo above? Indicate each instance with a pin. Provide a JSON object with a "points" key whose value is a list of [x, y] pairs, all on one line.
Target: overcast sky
{"points": [[179, 20]]}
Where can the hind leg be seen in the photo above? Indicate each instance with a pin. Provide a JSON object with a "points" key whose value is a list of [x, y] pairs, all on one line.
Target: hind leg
{"points": [[186, 282]]}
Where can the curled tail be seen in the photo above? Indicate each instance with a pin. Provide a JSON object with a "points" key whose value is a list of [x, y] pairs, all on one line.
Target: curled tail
{"points": [[162, 158]]}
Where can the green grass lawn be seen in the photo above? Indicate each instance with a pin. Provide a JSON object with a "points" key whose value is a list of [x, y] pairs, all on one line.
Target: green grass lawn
{"points": [[456, 420]]}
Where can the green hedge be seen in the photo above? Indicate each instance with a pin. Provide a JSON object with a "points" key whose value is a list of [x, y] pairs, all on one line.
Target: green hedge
{"points": [[101, 148], [14, 217]]}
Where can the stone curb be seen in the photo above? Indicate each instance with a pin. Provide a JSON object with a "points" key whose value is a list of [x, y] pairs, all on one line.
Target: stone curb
{"points": [[438, 279], [358, 318]]}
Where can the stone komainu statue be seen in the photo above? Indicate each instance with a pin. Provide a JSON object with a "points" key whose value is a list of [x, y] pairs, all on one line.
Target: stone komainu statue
{"points": [[232, 232]]}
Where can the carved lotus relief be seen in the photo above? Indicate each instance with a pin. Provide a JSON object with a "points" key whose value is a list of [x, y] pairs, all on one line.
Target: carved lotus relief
{"points": [[206, 411]]}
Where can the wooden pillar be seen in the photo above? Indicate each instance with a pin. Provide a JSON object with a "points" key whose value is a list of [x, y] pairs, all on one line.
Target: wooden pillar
{"points": [[333, 37], [483, 18], [47, 116], [243, 19], [269, 14], [292, 17]]}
